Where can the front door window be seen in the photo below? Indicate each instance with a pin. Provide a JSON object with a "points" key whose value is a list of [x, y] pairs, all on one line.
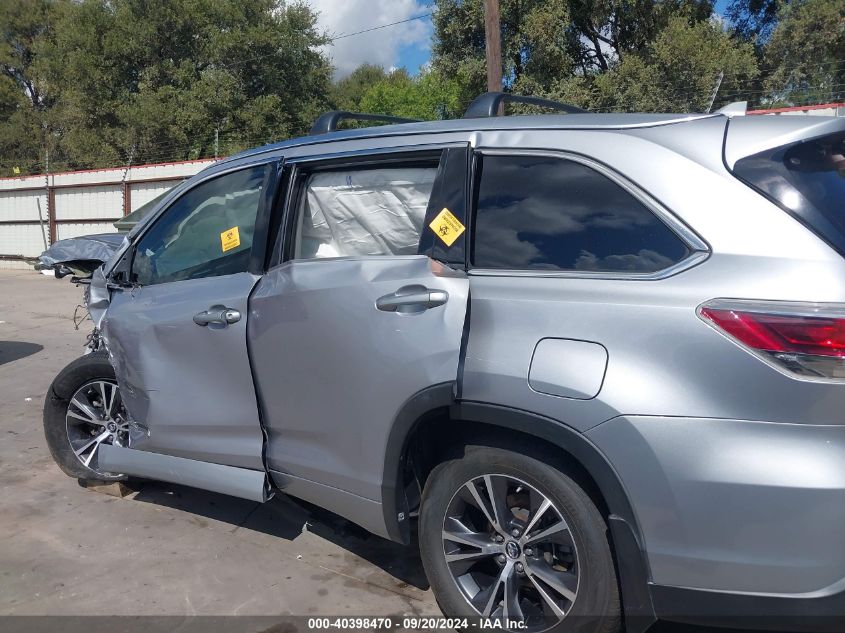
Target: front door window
{"points": [[207, 232]]}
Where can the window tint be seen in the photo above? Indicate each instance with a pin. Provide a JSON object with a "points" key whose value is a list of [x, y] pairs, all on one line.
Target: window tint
{"points": [[363, 212], [807, 179], [207, 232], [545, 213]]}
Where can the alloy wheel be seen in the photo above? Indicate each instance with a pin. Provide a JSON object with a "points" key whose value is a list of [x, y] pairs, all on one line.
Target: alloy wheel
{"points": [[95, 415], [510, 552]]}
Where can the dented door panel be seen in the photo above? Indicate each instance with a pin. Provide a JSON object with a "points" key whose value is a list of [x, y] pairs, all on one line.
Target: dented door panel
{"points": [[333, 369], [188, 388]]}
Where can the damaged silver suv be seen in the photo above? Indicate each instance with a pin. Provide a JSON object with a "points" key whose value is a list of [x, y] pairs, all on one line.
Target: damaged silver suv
{"points": [[598, 360]]}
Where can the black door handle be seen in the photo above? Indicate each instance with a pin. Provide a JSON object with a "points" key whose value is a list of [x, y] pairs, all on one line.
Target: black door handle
{"points": [[217, 315], [412, 299]]}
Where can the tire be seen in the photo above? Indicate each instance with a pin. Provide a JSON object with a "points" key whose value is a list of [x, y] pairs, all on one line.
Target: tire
{"points": [[85, 372], [449, 506]]}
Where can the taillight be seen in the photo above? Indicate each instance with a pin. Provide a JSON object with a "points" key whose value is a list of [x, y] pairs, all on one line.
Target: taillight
{"points": [[805, 338]]}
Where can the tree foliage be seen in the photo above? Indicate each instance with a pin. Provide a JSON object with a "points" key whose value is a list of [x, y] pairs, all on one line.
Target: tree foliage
{"points": [[753, 20], [147, 80], [427, 96], [651, 54], [108, 82], [678, 71], [805, 55], [23, 101], [544, 41], [346, 93]]}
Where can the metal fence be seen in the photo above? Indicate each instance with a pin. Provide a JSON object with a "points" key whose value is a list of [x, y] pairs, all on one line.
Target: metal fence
{"points": [[77, 203]]}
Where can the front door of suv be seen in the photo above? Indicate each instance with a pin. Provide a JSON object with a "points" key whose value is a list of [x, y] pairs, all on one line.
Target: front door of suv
{"points": [[356, 318], [177, 335]]}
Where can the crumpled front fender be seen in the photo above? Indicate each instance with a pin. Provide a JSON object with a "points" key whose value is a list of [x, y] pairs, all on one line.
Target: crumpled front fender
{"points": [[99, 297]]}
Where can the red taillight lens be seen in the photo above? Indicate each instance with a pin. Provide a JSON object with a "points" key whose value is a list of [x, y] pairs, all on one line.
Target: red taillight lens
{"points": [[819, 336], [804, 338]]}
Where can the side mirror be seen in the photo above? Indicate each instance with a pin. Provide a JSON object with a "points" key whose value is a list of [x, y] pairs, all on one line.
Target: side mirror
{"points": [[61, 271]]}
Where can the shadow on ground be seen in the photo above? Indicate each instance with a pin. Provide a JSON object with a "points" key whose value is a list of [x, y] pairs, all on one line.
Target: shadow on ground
{"points": [[285, 518], [11, 351]]}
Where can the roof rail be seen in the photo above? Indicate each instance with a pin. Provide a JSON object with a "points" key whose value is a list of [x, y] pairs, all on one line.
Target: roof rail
{"points": [[487, 105], [329, 121]]}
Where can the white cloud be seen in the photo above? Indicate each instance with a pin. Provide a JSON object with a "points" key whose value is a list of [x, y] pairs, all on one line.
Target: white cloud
{"points": [[380, 47]]}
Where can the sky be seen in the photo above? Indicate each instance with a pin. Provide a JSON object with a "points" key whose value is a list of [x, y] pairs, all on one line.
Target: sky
{"points": [[407, 44]]}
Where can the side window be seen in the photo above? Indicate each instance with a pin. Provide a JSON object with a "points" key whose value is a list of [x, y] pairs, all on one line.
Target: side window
{"points": [[206, 233], [547, 213], [361, 212]]}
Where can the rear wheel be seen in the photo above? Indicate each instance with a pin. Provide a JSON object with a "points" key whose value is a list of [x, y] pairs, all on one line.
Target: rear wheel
{"points": [[508, 537], [82, 411]]}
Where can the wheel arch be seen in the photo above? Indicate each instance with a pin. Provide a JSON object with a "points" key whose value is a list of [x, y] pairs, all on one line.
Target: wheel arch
{"points": [[485, 422]]}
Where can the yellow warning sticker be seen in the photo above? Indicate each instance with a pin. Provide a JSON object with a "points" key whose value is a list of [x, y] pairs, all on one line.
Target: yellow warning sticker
{"points": [[229, 239], [447, 227]]}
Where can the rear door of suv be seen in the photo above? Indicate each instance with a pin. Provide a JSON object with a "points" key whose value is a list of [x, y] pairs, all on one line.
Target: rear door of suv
{"points": [[363, 306]]}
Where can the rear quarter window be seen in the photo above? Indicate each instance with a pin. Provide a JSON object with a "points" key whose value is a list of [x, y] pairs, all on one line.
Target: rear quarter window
{"points": [[807, 179], [553, 214]]}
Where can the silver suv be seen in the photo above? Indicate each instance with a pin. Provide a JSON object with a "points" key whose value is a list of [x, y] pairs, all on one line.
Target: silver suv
{"points": [[597, 360]]}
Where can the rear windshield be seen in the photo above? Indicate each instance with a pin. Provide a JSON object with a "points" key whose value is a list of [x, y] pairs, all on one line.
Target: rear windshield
{"points": [[807, 179]]}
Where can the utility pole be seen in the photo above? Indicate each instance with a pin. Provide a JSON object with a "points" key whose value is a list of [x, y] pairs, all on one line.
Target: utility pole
{"points": [[216, 141], [493, 40]]}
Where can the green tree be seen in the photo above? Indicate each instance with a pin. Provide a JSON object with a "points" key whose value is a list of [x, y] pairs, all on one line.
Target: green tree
{"points": [[346, 93], [544, 41], [23, 102], [678, 70], [534, 43], [428, 96], [805, 57], [753, 20], [616, 54], [150, 80], [606, 31]]}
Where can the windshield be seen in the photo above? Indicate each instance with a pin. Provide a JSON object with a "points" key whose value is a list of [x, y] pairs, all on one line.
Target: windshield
{"points": [[125, 224], [807, 179]]}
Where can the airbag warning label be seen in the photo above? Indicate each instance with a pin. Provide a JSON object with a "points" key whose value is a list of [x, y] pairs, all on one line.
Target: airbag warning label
{"points": [[229, 239], [447, 227]]}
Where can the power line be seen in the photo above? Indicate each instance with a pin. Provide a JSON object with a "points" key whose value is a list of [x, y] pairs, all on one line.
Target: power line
{"points": [[330, 40], [383, 26]]}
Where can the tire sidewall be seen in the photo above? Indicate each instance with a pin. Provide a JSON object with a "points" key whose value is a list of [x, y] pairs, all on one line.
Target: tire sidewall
{"points": [[93, 366], [596, 607]]}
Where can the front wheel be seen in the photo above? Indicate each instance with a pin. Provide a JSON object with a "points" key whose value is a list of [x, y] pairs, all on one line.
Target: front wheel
{"points": [[508, 537], [82, 411]]}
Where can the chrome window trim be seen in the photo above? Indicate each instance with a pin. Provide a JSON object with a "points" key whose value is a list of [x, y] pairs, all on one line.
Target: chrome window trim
{"points": [[693, 259], [699, 249], [379, 152]]}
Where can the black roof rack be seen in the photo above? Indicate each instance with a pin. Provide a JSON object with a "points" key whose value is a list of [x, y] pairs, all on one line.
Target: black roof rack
{"points": [[487, 105], [329, 121]]}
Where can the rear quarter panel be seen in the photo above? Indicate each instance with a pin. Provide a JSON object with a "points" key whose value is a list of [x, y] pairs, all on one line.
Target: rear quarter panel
{"points": [[733, 468], [662, 359]]}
